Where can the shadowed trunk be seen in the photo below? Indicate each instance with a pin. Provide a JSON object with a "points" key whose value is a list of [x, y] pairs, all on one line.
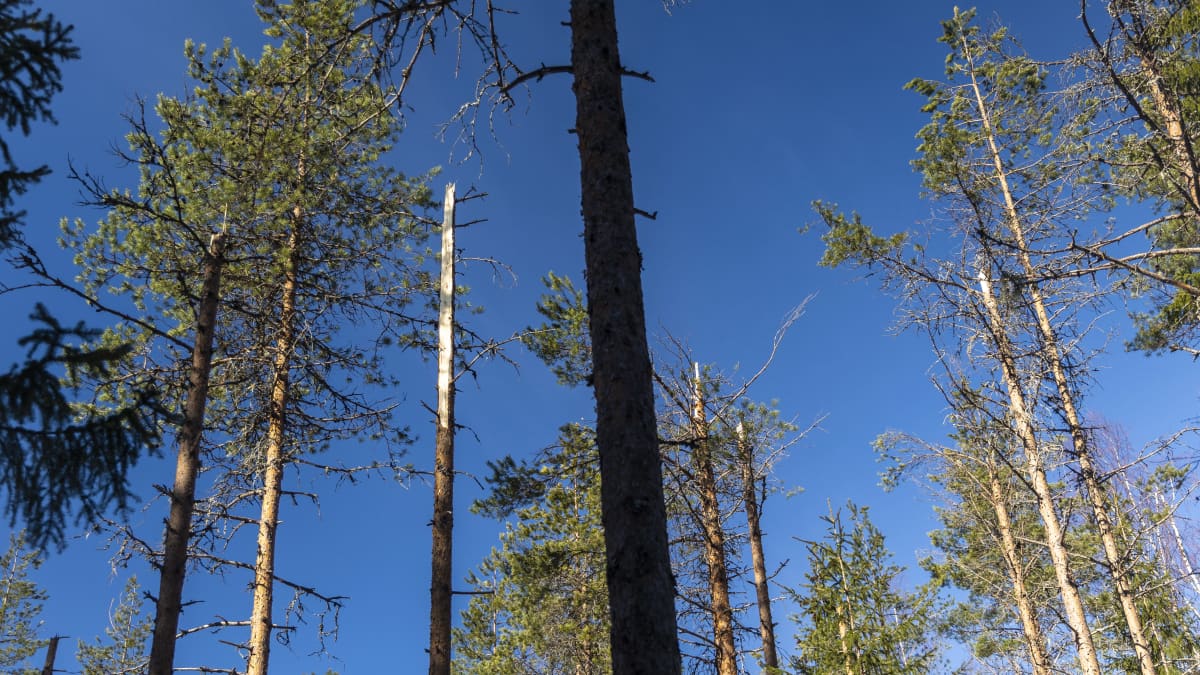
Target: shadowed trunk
{"points": [[640, 584]]}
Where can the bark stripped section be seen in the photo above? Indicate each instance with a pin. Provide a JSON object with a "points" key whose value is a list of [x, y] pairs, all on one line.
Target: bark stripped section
{"points": [[443, 481], [187, 465], [640, 584]]}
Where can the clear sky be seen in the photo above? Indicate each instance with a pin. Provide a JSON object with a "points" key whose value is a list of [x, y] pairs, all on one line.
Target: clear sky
{"points": [[759, 108]]}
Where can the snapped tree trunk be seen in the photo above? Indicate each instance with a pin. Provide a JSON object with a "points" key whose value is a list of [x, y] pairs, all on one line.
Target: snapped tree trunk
{"points": [[443, 477], [1022, 421], [274, 461], [187, 465], [714, 535], [641, 588], [51, 653], [752, 504]]}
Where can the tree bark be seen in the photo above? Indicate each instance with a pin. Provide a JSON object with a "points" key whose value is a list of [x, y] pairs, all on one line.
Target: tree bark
{"points": [[443, 481], [750, 499], [187, 465], [714, 535], [1023, 426], [1052, 355], [274, 461], [51, 653], [1035, 640], [640, 585]]}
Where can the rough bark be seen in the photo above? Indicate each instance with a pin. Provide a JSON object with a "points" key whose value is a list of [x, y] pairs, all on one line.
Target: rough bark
{"points": [[751, 502], [187, 465], [274, 462], [640, 585], [1051, 354], [714, 535], [1023, 426], [443, 481]]}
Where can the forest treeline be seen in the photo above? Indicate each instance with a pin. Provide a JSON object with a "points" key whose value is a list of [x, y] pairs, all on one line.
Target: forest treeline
{"points": [[273, 263]]}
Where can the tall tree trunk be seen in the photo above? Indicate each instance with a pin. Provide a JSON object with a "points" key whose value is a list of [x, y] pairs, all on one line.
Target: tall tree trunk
{"points": [[641, 588], [714, 534], [1035, 640], [1051, 353], [443, 481], [1022, 420], [187, 465], [274, 462], [751, 501]]}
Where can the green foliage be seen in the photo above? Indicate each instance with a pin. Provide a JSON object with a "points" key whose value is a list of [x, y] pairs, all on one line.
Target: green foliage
{"points": [[56, 465], [281, 155], [853, 616], [848, 240], [20, 606], [31, 46], [541, 604], [128, 630], [562, 342]]}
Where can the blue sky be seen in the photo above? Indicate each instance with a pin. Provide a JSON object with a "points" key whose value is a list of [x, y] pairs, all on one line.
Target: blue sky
{"points": [[756, 112]]}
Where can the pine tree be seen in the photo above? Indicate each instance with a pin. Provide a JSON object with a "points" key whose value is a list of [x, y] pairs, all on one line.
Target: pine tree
{"points": [[128, 631], [278, 158], [854, 619], [1146, 68], [20, 607], [540, 603]]}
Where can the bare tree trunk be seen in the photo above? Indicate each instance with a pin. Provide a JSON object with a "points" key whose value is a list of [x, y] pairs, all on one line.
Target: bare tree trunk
{"points": [[1035, 640], [640, 585], [750, 499], [274, 462], [1051, 353], [714, 535], [443, 481], [187, 465], [1023, 425]]}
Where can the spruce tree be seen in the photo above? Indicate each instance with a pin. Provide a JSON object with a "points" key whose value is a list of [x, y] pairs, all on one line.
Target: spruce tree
{"points": [[58, 467], [540, 603], [854, 619], [20, 607], [128, 632]]}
